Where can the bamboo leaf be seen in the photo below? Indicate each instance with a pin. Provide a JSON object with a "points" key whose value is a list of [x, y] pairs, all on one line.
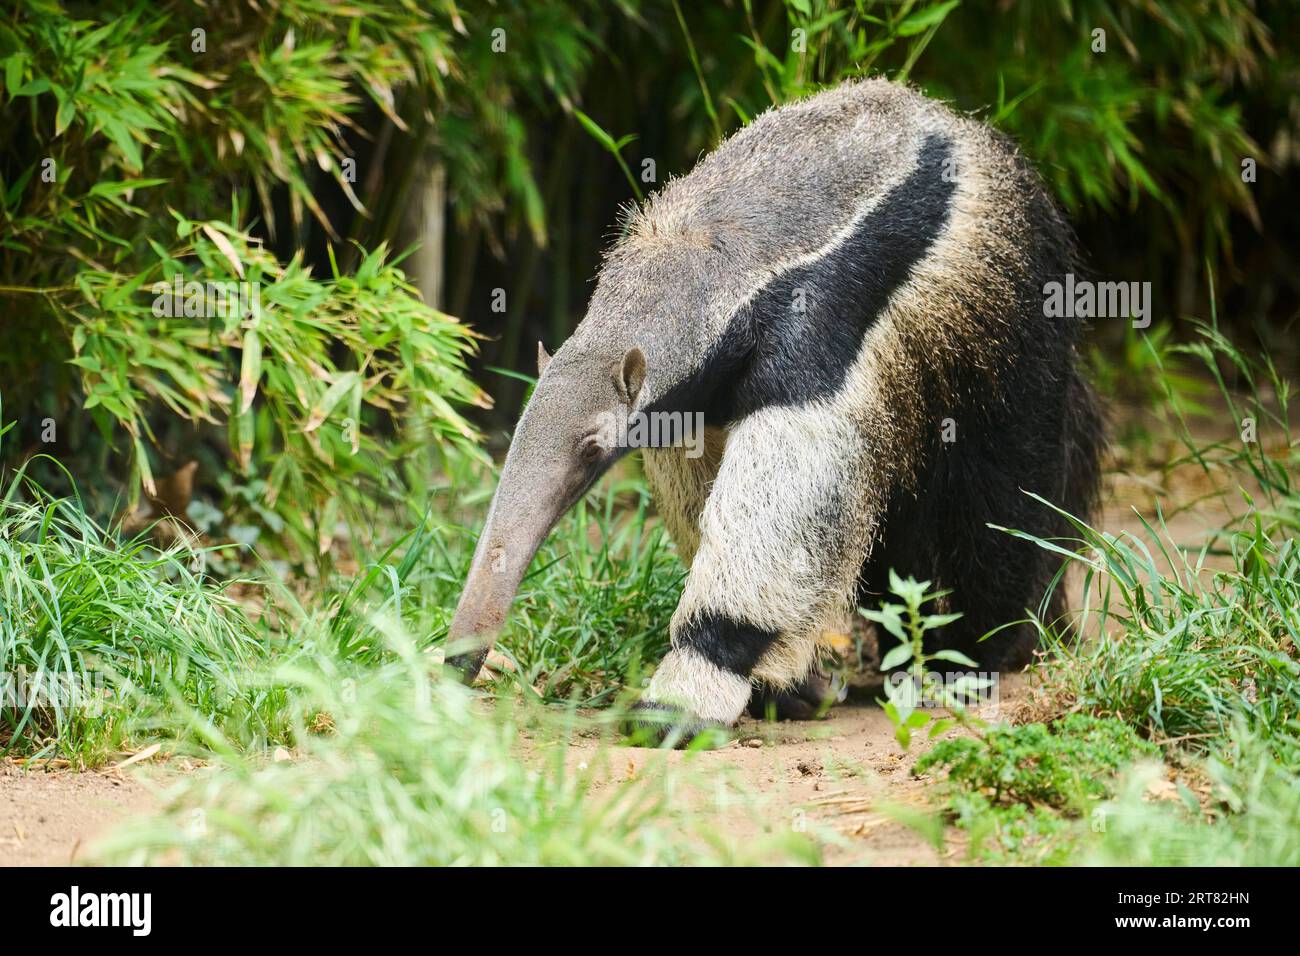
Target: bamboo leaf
{"points": [[226, 247], [924, 19], [250, 369], [329, 401]]}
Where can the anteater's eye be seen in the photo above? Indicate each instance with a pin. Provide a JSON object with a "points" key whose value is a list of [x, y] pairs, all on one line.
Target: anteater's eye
{"points": [[591, 450]]}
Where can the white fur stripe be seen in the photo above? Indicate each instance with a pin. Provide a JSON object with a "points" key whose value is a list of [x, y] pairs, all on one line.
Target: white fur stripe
{"points": [[688, 680]]}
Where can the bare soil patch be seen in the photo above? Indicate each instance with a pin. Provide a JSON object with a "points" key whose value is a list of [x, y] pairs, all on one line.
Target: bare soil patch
{"points": [[48, 818], [844, 779]]}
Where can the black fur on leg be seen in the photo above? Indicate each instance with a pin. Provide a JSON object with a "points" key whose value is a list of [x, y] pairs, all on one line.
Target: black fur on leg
{"points": [[939, 531]]}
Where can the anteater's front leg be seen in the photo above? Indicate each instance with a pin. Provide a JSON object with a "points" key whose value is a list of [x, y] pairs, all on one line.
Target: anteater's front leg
{"points": [[782, 536]]}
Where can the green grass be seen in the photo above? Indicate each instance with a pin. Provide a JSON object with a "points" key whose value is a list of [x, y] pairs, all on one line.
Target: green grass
{"points": [[1193, 649], [395, 766], [1202, 638], [1196, 648], [391, 764], [101, 639], [591, 615], [153, 635], [1253, 821]]}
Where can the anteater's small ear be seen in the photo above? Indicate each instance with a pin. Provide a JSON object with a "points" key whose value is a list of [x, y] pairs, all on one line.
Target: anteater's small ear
{"points": [[543, 359], [630, 375]]}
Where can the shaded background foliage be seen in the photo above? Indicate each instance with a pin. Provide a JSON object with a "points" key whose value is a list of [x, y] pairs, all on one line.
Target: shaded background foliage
{"points": [[501, 139], [1142, 144]]}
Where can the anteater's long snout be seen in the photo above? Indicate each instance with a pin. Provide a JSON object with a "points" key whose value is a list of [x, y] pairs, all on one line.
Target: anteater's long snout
{"points": [[514, 531]]}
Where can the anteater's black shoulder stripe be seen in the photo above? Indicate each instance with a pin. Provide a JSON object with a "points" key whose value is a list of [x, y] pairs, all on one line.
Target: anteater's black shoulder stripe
{"points": [[798, 336], [803, 355]]}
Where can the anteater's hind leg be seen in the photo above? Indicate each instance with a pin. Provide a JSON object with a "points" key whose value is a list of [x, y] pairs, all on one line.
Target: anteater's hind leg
{"points": [[942, 533], [995, 579], [998, 578], [782, 536]]}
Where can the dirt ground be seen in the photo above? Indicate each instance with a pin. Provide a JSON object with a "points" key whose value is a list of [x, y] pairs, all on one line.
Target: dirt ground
{"points": [[834, 774], [49, 818], [843, 779], [844, 775]]}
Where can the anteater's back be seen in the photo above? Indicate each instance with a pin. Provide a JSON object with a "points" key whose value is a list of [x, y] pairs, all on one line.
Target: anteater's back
{"points": [[869, 252]]}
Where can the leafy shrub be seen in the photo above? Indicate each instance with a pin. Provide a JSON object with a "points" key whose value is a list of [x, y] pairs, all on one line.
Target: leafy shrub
{"points": [[1061, 765], [127, 138], [1018, 791], [1014, 832]]}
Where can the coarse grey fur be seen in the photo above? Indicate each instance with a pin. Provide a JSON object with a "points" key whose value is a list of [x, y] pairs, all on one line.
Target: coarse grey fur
{"points": [[841, 287]]}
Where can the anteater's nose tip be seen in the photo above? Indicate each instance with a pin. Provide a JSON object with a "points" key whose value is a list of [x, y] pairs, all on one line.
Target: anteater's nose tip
{"points": [[465, 667]]}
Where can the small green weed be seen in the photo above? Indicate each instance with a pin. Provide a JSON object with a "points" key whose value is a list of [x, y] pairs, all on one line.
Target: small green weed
{"points": [[1062, 765], [1018, 791], [904, 699]]}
